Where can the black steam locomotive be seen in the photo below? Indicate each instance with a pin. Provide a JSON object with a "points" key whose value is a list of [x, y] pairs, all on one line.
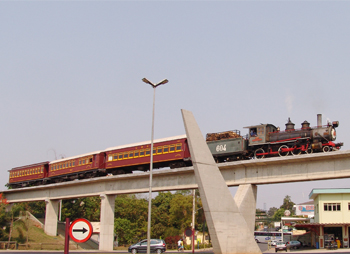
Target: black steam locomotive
{"points": [[266, 140]]}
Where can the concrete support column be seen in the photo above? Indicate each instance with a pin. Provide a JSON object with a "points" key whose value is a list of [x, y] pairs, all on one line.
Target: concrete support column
{"points": [[51, 217], [346, 237], [321, 239], [227, 224], [107, 222], [245, 199]]}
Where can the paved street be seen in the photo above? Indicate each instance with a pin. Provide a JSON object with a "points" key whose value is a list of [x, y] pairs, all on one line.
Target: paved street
{"points": [[263, 248]]}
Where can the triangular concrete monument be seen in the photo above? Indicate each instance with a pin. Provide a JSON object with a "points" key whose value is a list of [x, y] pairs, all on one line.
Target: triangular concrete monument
{"points": [[230, 226]]}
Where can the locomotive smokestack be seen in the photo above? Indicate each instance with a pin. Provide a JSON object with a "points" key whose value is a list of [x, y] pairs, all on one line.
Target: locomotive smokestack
{"points": [[319, 120]]}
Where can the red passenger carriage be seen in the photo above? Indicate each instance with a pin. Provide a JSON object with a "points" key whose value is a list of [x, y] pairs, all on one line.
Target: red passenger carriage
{"points": [[168, 152], [28, 175], [81, 166]]}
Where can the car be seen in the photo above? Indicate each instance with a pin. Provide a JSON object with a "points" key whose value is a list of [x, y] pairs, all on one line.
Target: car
{"points": [[294, 245], [273, 242], [156, 245], [280, 246]]}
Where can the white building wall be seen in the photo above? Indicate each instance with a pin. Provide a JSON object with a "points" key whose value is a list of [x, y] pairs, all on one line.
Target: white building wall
{"points": [[342, 216]]}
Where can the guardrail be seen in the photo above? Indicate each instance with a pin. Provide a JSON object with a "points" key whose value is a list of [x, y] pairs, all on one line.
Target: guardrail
{"points": [[40, 246]]}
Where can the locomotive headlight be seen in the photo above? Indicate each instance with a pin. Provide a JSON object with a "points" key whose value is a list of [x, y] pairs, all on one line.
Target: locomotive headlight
{"points": [[335, 124], [333, 134]]}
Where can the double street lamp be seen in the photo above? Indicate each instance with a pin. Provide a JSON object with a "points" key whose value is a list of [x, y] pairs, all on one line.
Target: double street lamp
{"points": [[163, 82]]}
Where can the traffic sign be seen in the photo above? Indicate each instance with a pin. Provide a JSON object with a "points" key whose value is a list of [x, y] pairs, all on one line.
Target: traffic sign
{"points": [[80, 230]]}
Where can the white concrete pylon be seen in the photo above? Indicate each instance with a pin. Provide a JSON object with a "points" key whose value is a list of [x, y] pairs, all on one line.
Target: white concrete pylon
{"points": [[228, 228], [107, 222], [51, 215]]}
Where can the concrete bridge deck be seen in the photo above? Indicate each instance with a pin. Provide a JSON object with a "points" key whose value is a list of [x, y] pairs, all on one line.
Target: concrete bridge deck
{"points": [[306, 167]]}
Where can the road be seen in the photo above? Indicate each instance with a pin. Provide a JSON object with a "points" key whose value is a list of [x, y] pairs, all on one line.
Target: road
{"points": [[263, 248]]}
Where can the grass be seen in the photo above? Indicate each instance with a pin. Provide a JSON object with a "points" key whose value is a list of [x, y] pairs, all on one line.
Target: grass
{"points": [[37, 239]]}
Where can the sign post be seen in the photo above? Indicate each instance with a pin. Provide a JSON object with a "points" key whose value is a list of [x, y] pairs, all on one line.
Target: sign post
{"points": [[66, 237], [80, 230]]}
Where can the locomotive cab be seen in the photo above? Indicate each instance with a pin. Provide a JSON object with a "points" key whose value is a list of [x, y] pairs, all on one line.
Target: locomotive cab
{"points": [[258, 134]]}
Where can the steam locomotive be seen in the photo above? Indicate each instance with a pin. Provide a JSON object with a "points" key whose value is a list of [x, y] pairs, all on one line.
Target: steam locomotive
{"points": [[262, 141], [266, 140]]}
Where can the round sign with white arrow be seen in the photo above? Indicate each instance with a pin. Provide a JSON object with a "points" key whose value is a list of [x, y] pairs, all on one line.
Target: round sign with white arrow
{"points": [[80, 230]]}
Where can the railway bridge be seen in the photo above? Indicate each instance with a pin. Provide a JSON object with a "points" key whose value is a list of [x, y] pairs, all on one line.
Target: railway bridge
{"points": [[230, 220]]}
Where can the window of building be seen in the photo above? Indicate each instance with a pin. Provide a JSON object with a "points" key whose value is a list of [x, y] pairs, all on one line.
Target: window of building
{"points": [[331, 206]]}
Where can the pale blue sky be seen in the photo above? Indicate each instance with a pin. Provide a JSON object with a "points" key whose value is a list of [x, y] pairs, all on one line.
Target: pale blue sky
{"points": [[71, 73]]}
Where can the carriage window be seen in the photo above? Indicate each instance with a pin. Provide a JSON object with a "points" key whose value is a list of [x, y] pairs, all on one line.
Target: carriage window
{"points": [[90, 159], [120, 156], [172, 149], [115, 157], [136, 154], [178, 147], [125, 155], [42, 170], [148, 152], [131, 154], [142, 153], [159, 150], [166, 149]]}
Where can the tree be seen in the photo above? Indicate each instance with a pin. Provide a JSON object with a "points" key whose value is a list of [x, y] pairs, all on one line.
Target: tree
{"points": [[287, 204], [88, 208], [272, 211], [278, 214]]}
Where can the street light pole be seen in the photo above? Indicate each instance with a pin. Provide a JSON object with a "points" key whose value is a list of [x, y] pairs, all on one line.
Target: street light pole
{"points": [[163, 82]]}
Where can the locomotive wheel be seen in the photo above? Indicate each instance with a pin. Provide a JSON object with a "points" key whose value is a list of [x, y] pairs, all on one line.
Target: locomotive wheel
{"points": [[309, 150], [281, 153], [326, 149], [296, 151], [258, 154]]}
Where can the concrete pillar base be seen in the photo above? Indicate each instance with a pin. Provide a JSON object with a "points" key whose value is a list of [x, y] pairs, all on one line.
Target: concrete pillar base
{"points": [[107, 222], [51, 214]]}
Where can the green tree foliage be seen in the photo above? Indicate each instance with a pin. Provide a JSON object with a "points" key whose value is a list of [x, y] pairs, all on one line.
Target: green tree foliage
{"points": [[287, 204], [5, 219], [181, 211], [171, 214], [133, 212], [272, 211], [278, 214], [88, 208]]}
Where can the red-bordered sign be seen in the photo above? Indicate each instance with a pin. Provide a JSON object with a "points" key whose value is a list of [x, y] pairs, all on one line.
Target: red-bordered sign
{"points": [[80, 230]]}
